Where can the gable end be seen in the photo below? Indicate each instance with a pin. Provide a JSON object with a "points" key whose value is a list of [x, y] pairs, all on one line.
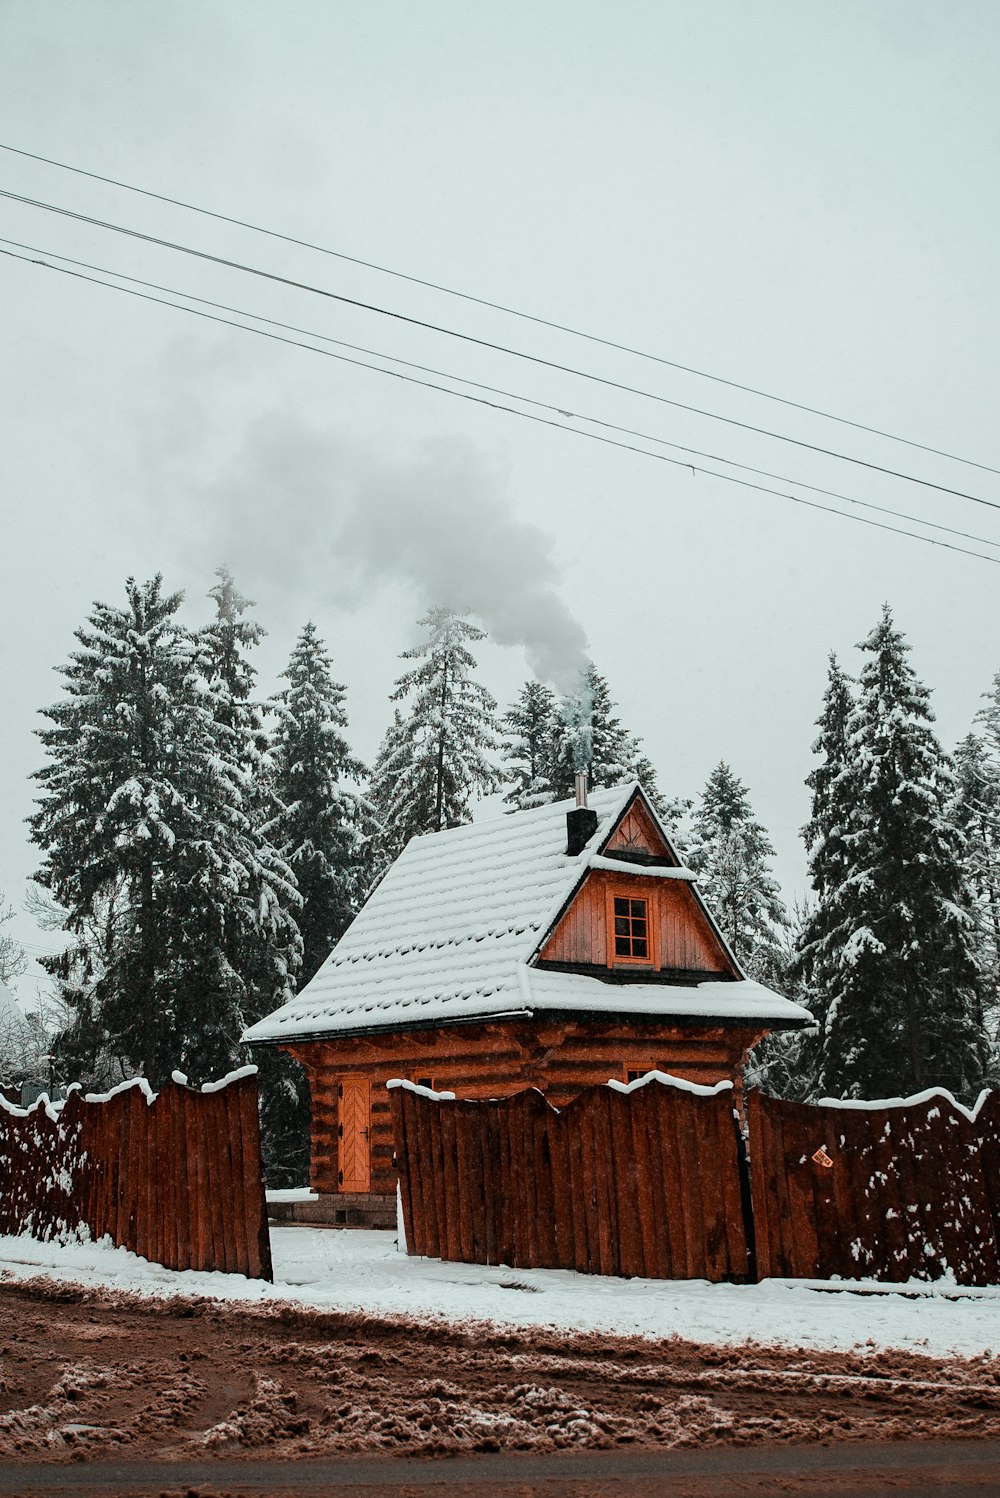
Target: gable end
{"points": [[638, 836], [625, 927]]}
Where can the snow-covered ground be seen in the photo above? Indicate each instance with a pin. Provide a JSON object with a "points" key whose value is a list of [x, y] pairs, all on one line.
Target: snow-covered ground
{"points": [[353, 1270]]}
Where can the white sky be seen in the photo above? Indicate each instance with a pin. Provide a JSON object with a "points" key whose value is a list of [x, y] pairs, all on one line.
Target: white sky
{"points": [[800, 197]]}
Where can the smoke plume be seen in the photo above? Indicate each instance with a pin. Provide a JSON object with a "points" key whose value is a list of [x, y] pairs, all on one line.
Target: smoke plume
{"points": [[297, 499]]}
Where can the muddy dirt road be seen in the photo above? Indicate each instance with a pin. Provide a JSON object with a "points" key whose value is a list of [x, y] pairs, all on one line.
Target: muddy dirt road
{"points": [[229, 1394]]}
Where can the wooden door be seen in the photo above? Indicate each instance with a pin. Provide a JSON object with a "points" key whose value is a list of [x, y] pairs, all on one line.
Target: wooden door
{"points": [[355, 1111]]}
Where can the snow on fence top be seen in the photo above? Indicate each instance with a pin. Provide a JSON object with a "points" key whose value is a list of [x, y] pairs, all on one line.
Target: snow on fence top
{"points": [[927, 1096], [668, 1080], [428, 1092], [451, 929], [665, 1078], [178, 1078]]}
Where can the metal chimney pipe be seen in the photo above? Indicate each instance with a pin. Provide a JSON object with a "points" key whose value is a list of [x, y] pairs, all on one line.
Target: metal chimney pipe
{"points": [[581, 788]]}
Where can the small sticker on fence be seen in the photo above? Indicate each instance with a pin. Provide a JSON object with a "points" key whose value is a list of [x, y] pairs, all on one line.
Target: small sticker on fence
{"points": [[821, 1157]]}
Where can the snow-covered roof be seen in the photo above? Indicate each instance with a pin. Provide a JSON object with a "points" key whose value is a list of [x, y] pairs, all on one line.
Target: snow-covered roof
{"points": [[449, 933]]}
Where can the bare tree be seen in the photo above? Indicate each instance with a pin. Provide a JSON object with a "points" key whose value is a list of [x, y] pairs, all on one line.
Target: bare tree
{"points": [[13, 961]]}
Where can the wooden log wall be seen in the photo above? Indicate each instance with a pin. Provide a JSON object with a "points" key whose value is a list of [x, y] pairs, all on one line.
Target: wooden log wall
{"points": [[176, 1178], [643, 1182], [909, 1191], [562, 1057]]}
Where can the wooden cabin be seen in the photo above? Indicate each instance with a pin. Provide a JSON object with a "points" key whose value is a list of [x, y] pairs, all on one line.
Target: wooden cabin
{"points": [[553, 948]]}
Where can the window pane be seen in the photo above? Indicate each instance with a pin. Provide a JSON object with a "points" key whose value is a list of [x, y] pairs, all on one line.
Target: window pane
{"points": [[621, 907], [638, 909], [639, 947], [623, 947]]}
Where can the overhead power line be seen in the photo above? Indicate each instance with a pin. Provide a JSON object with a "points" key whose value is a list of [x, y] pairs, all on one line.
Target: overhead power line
{"points": [[480, 342], [495, 390], [500, 406], [465, 296]]}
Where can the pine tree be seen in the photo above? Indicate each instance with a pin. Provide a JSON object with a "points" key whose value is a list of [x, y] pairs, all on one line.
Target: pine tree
{"points": [[148, 847], [435, 758], [975, 810], [815, 953], [788, 1064], [902, 1001], [323, 824], [396, 819], [527, 728], [266, 952], [729, 851], [587, 734]]}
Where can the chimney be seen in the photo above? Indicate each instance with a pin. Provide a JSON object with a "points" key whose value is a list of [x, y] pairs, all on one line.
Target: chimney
{"points": [[581, 822]]}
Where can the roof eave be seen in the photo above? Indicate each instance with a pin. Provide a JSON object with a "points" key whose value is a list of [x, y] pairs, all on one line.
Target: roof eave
{"points": [[683, 1020]]}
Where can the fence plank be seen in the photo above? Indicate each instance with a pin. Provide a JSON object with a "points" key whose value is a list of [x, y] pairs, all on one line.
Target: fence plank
{"points": [[448, 1144], [650, 1183], [490, 1144], [170, 1180], [624, 1180]]}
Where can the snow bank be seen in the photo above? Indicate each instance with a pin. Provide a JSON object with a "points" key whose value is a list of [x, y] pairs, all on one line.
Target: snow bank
{"points": [[356, 1270]]}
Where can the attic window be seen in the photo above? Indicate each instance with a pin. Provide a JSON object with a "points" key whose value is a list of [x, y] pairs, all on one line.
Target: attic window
{"points": [[631, 933]]}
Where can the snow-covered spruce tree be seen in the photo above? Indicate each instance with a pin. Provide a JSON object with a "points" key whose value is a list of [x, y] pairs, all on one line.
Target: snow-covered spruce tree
{"points": [[903, 1004], [148, 848], [730, 852], [266, 954], [435, 757], [394, 818], [323, 825], [527, 729], [975, 810], [587, 734], [788, 1065]]}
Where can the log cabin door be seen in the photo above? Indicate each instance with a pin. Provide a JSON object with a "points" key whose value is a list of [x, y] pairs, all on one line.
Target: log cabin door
{"points": [[355, 1116]]}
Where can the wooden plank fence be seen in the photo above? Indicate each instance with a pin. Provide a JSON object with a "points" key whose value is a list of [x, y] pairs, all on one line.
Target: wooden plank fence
{"points": [[643, 1180], [174, 1177], [652, 1180], [869, 1190]]}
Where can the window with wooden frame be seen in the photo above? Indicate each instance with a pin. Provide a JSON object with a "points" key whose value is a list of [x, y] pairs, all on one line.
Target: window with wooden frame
{"points": [[631, 927], [632, 1073]]}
